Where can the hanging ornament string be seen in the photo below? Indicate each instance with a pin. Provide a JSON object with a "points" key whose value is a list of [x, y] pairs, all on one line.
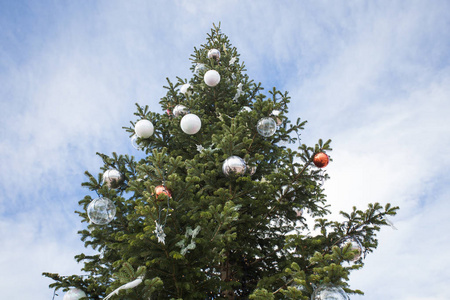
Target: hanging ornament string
{"points": [[159, 230]]}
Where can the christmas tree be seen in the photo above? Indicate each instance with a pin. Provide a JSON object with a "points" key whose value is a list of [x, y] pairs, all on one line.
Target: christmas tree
{"points": [[218, 207]]}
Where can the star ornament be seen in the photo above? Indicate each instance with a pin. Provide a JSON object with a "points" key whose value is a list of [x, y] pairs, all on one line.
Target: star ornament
{"points": [[159, 231]]}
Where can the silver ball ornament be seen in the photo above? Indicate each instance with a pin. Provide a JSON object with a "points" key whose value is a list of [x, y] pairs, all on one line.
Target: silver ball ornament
{"points": [[198, 68], [266, 127], [112, 178], [180, 110], [234, 165], [329, 292], [211, 78], [74, 294], [101, 211], [191, 124], [144, 129], [214, 54]]}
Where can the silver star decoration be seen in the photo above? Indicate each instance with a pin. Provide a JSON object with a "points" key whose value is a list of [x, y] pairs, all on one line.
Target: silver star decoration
{"points": [[200, 148], [159, 230], [191, 245], [233, 60], [238, 92]]}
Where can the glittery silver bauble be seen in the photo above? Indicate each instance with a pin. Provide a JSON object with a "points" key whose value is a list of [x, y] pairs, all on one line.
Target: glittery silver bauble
{"points": [[74, 294], [329, 292], [266, 127], [180, 110], [355, 245], [101, 211], [112, 178], [234, 165], [144, 129], [214, 54]]}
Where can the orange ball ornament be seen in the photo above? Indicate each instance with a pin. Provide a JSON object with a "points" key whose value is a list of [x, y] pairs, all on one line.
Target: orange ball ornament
{"points": [[160, 189], [321, 160]]}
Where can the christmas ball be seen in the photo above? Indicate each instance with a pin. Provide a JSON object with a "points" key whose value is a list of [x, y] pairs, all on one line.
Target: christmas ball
{"points": [[245, 109], [266, 127], [112, 178], [101, 211], [212, 78], [180, 110], [214, 54], [198, 68], [160, 189], [276, 113], [234, 165], [134, 142], [321, 160], [185, 89], [355, 245], [74, 294], [190, 124], [144, 129], [329, 292]]}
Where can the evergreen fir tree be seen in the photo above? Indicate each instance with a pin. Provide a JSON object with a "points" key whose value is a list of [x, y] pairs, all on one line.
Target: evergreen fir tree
{"points": [[241, 236]]}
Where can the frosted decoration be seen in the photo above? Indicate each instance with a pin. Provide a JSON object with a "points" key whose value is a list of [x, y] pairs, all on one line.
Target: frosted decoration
{"points": [[245, 109], [134, 142], [266, 127], [185, 89], [74, 294], [144, 129], [329, 292], [212, 78], [112, 178], [275, 114], [101, 211], [234, 165], [214, 54], [198, 68], [180, 110], [190, 124]]}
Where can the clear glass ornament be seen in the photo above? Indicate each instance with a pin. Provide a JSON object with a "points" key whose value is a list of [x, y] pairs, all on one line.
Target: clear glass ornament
{"points": [[112, 178], [199, 67], [134, 142], [234, 165], [74, 294], [101, 211], [329, 292], [245, 109], [266, 127], [355, 246], [180, 110]]}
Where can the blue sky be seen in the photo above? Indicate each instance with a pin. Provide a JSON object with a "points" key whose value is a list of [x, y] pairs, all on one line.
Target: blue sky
{"points": [[372, 76]]}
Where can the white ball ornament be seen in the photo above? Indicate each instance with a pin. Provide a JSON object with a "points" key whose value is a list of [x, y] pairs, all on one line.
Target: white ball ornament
{"points": [[214, 54], [101, 211], [144, 129], [234, 165], [180, 110], [212, 78], [74, 294], [329, 292], [191, 124], [185, 89]]}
